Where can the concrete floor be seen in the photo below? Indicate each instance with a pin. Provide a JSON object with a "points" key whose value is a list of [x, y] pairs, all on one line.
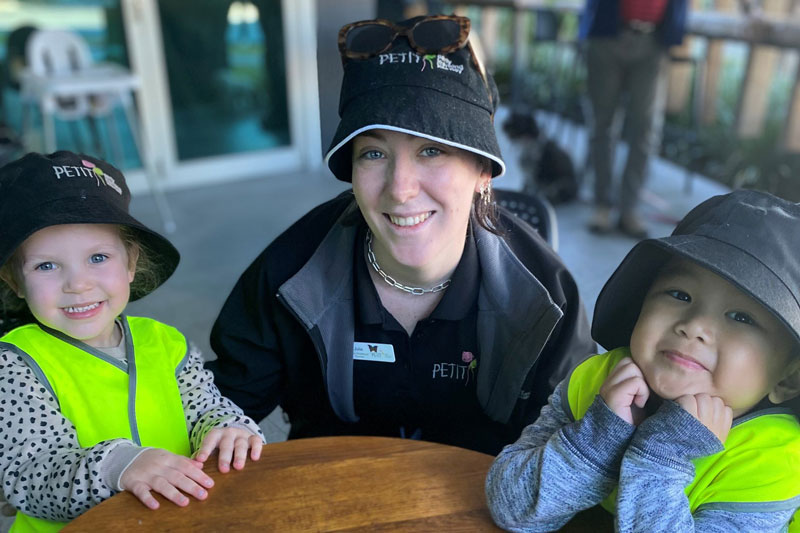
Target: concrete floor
{"points": [[222, 228]]}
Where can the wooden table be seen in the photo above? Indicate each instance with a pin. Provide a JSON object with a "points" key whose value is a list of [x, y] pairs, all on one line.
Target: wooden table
{"points": [[332, 484], [324, 484]]}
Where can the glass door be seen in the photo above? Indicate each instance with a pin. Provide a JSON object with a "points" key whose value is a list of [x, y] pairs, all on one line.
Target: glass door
{"points": [[229, 88], [226, 88], [227, 75]]}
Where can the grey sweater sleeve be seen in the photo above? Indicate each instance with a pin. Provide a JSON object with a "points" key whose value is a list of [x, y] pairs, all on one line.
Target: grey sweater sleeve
{"points": [[656, 469], [557, 467]]}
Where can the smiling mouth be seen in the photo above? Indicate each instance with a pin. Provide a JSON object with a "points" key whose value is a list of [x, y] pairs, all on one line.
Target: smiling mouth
{"points": [[684, 360], [81, 309], [409, 221]]}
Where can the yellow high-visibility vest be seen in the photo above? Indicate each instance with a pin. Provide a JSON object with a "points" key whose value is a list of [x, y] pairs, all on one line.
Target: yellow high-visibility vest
{"points": [[109, 399], [760, 462]]}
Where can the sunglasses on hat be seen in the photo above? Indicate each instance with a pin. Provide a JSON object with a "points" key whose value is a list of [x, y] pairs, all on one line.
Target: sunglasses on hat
{"points": [[440, 34], [435, 34]]}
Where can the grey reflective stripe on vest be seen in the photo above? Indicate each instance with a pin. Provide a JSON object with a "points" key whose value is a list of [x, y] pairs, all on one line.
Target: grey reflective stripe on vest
{"points": [[131, 383], [752, 507], [122, 365], [128, 367], [761, 412], [132, 401], [183, 362], [33, 365]]}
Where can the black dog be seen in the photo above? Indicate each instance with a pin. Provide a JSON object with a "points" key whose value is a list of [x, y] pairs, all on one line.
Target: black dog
{"points": [[548, 168]]}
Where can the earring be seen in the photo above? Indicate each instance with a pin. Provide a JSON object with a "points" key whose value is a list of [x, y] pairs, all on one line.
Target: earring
{"points": [[486, 193]]}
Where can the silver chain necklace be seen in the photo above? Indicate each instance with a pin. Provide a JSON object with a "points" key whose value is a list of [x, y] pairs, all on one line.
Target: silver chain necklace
{"points": [[393, 282]]}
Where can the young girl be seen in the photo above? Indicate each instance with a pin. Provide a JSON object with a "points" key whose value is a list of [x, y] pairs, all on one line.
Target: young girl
{"points": [[92, 401]]}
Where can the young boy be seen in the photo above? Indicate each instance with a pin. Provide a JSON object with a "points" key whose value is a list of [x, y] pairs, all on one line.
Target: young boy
{"points": [[676, 428]]}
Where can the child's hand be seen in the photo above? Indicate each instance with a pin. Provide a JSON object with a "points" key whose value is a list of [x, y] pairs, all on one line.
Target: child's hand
{"points": [[625, 390], [711, 411], [165, 473], [232, 442]]}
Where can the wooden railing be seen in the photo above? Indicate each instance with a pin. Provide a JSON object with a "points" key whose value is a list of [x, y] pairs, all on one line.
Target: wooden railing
{"points": [[771, 36]]}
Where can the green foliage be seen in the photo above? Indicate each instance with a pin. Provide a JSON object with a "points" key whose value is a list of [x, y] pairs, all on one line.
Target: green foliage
{"points": [[717, 151]]}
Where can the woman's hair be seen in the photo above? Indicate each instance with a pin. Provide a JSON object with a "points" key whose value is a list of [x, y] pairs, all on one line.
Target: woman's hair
{"points": [[145, 279], [485, 212]]}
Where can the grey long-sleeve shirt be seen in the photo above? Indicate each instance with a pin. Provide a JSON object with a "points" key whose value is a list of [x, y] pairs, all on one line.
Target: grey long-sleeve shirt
{"points": [[559, 467], [46, 473]]}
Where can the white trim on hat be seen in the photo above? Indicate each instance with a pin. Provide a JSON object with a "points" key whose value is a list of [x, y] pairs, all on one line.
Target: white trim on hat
{"points": [[416, 134]]}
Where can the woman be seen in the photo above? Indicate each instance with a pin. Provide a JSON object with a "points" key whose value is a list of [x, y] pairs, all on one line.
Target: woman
{"points": [[400, 308]]}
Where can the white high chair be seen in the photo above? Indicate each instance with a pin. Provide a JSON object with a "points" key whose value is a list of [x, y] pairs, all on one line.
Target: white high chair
{"points": [[63, 80]]}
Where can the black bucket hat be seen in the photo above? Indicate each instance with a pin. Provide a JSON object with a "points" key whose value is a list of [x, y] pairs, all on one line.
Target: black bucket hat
{"points": [[38, 191], [439, 97], [750, 238]]}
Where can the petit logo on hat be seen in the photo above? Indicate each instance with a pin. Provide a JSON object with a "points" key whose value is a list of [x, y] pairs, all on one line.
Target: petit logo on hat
{"points": [[88, 170], [436, 61]]}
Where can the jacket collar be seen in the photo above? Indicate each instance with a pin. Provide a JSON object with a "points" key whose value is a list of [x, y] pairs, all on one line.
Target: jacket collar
{"points": [[513, 325], [320, 295]]}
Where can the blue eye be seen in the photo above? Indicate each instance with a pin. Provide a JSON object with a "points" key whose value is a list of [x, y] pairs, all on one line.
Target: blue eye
{"points": [[431, 151], [372, 154], [98, 258], [738, 316], [46, 266], [680, 295]]}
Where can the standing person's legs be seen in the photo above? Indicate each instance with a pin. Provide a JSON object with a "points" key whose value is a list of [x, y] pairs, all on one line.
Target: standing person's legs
{"points": [[645, 117], [604, 83]]}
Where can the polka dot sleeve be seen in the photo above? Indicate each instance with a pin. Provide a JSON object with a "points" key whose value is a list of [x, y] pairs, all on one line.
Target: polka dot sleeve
{"points": [[45, 472], [205, 407]]}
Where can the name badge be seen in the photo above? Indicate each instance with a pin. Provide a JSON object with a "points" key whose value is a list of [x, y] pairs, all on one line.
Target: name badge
{"points": [[367, 351]]}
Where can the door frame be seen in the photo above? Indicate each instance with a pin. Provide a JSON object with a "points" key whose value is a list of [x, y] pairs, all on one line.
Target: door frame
{"points": [[146, 56]]}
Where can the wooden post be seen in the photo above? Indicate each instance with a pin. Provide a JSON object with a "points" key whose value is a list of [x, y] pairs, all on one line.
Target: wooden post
{"points": [[713, 69], [680, 73], [680, 77], [791, 133], [519, 54], [761, 64], [489, 36], [414, 9]]}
